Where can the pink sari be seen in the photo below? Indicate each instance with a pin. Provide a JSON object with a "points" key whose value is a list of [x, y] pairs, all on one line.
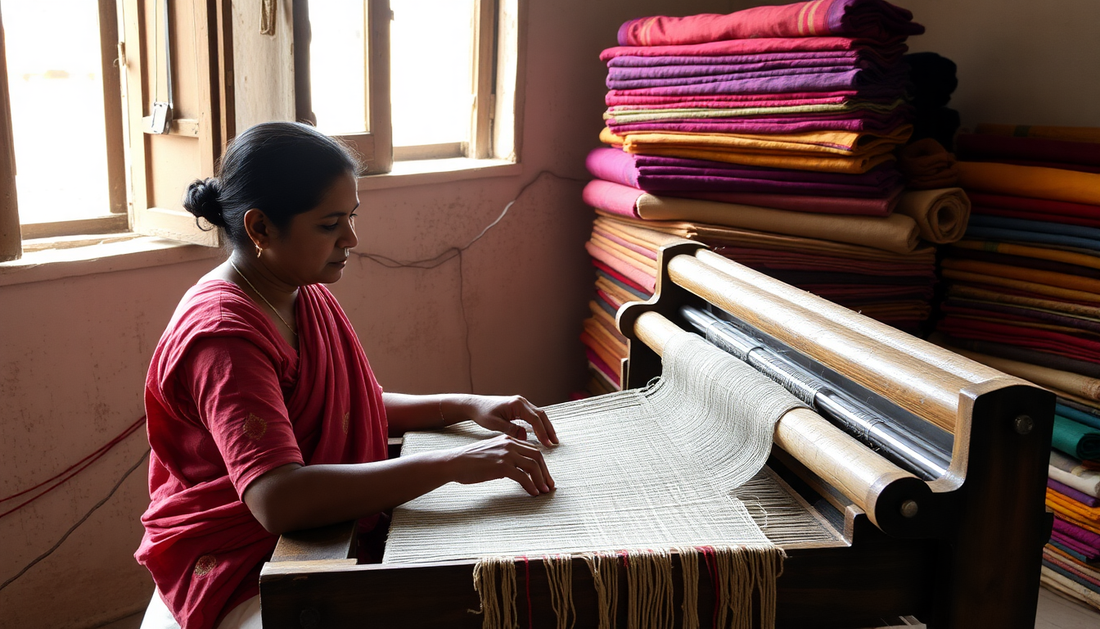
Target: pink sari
{"points": [[270, 407]]}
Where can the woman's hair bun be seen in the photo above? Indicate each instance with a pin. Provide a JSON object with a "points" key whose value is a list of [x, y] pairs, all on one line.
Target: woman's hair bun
{"points": [[202, 200]]}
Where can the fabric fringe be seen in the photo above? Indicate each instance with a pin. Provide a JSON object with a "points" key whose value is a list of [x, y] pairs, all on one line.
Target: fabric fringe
{"points": [[740, 575]]}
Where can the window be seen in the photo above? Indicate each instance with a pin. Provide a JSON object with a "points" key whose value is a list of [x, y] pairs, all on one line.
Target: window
{"points": [[61, 107], [410, 79], [173, 80]]}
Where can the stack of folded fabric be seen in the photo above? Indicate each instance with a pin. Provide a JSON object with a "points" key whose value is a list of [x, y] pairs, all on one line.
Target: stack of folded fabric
{"points": [[1023, 296], [769, 134]]}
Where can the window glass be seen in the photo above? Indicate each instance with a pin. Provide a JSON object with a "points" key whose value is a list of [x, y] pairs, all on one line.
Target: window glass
{"points": [[431, 71], [337, 61], [56, 89]]}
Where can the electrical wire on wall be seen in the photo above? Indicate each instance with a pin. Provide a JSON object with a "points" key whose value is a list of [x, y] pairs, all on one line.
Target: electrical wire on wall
{"points": [[73, 470]]}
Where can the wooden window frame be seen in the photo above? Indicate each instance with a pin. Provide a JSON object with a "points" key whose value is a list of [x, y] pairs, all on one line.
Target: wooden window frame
{"points": [[12, 232], [495, 69]]}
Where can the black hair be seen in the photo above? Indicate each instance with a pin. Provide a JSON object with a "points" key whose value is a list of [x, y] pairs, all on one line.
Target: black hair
{"points": [[279, 168]]}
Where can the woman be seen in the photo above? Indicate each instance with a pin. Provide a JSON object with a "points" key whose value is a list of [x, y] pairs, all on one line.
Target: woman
{"points": [[263, 413]]}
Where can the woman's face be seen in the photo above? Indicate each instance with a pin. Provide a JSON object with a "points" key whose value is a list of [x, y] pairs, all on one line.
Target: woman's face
{"points": [[311, 249]]}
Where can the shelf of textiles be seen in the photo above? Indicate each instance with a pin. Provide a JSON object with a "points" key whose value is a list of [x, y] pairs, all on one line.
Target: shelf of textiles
{"points": [[1023, 296], [781, 150]]}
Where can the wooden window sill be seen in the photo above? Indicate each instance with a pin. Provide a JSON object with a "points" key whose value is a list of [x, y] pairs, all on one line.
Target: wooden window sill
{"points": [[56, 258]]}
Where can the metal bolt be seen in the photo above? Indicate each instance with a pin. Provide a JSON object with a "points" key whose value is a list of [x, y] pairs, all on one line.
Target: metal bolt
{"points": [[309, 618], [909, 508], [1024, 424]]}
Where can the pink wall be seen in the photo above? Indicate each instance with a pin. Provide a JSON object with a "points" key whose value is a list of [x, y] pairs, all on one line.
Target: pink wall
{"points": [[73, 352]]}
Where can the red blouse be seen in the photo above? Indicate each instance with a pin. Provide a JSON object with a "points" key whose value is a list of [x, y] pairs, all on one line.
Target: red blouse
{"points": [[228, 400]]}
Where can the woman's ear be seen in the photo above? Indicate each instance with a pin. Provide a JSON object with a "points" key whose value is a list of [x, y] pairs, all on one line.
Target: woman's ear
{"points": [[258, 228]]}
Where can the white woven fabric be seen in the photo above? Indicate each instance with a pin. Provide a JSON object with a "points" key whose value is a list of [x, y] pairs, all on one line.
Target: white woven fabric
{"points": [[636, 470]]}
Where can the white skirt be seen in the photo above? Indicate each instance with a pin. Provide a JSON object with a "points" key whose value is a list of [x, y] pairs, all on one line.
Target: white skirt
{"points": [[244, 616]]}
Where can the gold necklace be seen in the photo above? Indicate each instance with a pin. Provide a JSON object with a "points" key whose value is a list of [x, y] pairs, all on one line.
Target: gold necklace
{"points": [[255, 290]]}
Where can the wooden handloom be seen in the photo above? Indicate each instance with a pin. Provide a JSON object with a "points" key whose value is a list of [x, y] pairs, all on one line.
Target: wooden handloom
{"points": [[954, 544]]}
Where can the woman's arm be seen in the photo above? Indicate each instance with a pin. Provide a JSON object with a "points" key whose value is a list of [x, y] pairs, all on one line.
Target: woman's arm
{"points": [[293, 497], [426, 412]]}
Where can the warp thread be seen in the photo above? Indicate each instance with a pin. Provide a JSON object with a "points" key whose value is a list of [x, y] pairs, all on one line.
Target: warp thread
{"points": [[742, 576], [498, 612], [559, 576]]}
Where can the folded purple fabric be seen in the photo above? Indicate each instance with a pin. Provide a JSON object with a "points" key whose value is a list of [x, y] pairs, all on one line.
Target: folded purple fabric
{"points": [[1078, 534], [874, 19], [867, 83], [634, 78], [660, 174], [777, 125], [1070, 492]]}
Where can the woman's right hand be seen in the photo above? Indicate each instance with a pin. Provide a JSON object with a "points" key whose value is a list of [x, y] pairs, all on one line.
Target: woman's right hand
{"points": [[502, 457]]}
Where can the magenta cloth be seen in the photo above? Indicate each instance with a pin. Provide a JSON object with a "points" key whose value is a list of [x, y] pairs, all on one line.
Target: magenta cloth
{"points": [[598, 363], [760, 45], [1070, 492], [1077, 533], [612, 197], [689, 177], [1089, 552], [976, 147], [872, 19]]}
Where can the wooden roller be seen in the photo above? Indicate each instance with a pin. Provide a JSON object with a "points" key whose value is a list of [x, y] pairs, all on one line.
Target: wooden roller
{"points": [[895, 500], [917, 376]]}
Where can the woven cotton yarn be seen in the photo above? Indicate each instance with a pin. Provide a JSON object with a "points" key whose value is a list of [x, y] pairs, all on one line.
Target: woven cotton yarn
{"points": [[641, 472]]}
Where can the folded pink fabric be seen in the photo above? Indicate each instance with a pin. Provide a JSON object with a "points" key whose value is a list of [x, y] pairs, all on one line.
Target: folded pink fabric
{"points": [[873, 19], [760, 45]]}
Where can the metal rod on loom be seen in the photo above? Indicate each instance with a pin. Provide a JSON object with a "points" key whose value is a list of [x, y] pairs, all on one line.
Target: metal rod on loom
{"points": [[893, 498], [918, 456]]}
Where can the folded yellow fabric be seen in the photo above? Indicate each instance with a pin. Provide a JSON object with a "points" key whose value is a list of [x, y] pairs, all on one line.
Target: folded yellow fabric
{"points": [[941, 214], [897, 232], [751, 152], [1036, 182]]}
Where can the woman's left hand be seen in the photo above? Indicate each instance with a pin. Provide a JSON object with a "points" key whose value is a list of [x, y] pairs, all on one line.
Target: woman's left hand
{"points": [[500, 413]]}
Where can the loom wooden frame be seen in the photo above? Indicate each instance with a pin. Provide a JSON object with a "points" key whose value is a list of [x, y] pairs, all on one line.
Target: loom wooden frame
{"points": [[954, 571]]}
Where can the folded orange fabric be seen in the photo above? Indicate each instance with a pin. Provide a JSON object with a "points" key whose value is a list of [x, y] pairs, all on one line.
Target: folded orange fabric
{"points": [[1050, 278], [1031, 181], [1071, 507], [606, 355], [628, 255], [829, 142]]}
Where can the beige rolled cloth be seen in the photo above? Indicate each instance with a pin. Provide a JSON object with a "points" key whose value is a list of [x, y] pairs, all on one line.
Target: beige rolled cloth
{"points": [[897, 233], [941, 214], [1061, 381]]}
